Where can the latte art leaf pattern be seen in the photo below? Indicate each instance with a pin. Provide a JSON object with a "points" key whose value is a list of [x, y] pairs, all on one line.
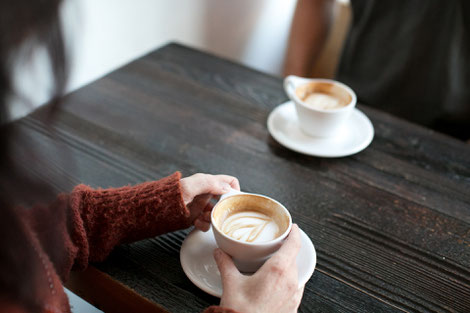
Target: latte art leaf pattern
{"points": [[250, 226]]}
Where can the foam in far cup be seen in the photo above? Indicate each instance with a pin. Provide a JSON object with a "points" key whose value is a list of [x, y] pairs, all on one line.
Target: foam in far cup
{"points": [[323, 96], [322, 101]]}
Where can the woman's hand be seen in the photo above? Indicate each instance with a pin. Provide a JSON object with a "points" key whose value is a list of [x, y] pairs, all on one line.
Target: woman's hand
{"points": [[197, 192], [273, 288]]}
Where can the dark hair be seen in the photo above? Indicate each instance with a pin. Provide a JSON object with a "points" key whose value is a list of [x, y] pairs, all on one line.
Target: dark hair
{"points": [[23, 25], [29, 25]]}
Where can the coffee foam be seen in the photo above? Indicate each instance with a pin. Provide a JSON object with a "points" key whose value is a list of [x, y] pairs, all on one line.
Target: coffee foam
{"points": [[250, 218], [250, 226], [323, 95], [322, 101]]}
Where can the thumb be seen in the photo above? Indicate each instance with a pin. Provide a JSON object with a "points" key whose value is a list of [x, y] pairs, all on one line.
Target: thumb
{"points": [[214, 184], [199, 184], [228, 271]]}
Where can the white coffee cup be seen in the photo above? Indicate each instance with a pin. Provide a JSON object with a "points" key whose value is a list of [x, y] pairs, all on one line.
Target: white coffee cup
{"points": [[317, 120], [248, 256]]}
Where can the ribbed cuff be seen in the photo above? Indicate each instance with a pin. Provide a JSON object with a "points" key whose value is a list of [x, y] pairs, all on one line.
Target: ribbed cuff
{"points": [[218, 309]]}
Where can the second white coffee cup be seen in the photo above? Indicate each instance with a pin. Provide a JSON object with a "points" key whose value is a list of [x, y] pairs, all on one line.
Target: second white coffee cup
{"points": [[247, 253], [318, 120]]}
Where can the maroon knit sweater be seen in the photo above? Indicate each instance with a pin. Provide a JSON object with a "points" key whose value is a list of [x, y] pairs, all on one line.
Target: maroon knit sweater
{"points": [[86, 225]]}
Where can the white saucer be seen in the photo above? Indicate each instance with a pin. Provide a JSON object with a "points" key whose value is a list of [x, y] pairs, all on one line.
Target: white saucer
{"points": [[356, 135], [199, 265]]}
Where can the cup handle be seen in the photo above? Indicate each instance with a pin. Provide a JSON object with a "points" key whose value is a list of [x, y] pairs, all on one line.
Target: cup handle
{"points": [[289, 85], [231, 192], [291, 82]]}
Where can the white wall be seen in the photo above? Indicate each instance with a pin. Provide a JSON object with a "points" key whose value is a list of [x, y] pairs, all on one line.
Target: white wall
{"points": [[113, 32], [103, 35]]}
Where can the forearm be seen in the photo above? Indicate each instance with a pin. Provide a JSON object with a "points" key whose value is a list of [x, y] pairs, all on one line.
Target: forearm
{"points": [[309, 30]]}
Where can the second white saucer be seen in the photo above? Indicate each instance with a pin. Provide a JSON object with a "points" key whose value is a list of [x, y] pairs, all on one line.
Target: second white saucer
{"points": [[355, 136], [199, 265]]}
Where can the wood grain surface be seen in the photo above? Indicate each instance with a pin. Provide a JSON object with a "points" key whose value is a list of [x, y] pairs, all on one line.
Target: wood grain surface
{"points": [[391, 224]]}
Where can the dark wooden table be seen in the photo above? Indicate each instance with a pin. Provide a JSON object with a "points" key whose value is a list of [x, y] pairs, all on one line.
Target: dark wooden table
{"points": [[391, 224]]}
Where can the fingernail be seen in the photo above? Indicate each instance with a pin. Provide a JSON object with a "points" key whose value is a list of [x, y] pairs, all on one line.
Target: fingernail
{"points": [[226, 187]]}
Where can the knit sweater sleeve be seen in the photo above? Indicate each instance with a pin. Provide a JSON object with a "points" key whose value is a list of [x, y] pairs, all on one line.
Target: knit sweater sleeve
{"points": [[103, 218], [87, 224]]}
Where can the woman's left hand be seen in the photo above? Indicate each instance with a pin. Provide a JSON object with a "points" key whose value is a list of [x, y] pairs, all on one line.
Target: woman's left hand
{"points": [[197, 192]]}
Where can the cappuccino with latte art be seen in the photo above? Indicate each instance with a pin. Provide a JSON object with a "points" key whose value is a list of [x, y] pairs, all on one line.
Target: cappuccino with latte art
{"points": [[250, 228]]}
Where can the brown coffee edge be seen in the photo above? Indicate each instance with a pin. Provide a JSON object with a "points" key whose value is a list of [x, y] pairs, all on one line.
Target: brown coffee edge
{"points": [[331, 89]]}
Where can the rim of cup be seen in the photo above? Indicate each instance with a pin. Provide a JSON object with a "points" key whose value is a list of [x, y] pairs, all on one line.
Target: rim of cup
{"points": [[331, 81], [275, 240]]}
